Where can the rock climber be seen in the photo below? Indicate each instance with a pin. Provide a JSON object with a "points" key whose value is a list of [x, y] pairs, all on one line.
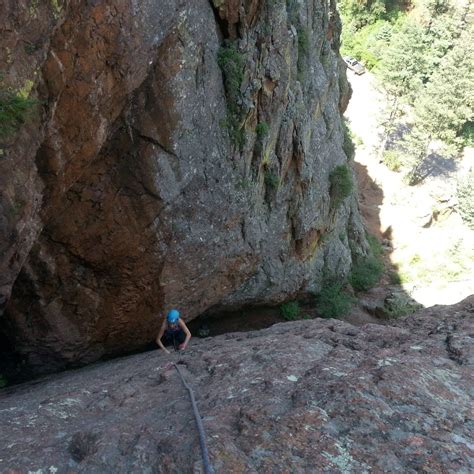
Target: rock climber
{"points": [[173, 332]]}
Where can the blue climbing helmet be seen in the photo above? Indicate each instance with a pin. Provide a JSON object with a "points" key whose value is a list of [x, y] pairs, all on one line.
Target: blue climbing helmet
{"points": [[173, 316]]}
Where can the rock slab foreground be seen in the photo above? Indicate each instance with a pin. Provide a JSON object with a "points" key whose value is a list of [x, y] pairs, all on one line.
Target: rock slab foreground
{"points": [[307, 396]]}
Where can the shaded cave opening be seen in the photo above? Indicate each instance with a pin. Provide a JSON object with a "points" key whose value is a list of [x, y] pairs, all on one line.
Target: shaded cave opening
{"points": [[253, 318], [10, 363]]}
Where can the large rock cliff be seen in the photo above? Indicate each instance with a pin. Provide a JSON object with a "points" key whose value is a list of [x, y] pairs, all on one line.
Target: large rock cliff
{"points": [[179, 155]]}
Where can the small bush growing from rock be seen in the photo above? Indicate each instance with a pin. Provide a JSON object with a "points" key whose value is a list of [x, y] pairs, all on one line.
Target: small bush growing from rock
{"points": [[290, 310], [395, 278], [365, 274], [400, 304], [375, 245], [333, 301], [14, 110], [341, 184], [366, 271], [262, 129], [303, 50], [232, 61], [348, 143], [271, 179], [303, 41]]}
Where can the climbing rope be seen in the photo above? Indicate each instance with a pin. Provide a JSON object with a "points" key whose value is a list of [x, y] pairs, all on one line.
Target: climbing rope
{"points": [[202, 435]]}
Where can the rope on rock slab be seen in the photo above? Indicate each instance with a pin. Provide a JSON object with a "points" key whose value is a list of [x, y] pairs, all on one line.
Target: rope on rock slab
{"points": [[202, 435]]}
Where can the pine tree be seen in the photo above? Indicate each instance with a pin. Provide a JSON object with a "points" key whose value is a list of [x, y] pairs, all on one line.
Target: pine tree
{"points": [[404, 67], [446, 104]]}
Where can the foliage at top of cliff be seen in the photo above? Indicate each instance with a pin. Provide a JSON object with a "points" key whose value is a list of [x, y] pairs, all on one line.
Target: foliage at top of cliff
{"points": [[421, 55]]}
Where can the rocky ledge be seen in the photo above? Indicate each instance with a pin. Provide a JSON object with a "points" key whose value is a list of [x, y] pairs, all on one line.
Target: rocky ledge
{"points": [[307, 396]]}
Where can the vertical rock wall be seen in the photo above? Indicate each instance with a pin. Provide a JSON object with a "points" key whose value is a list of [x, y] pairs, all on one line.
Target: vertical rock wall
{"points": [[149, 180]]}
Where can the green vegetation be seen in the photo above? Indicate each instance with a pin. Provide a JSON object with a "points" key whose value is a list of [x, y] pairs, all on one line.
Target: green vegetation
{"points": [[15, 109], [232, 61], [395, 278], [422, 58], [33, 8], [3, 381], [292, 11], [341, 184], [366, 12], [400, 304], [290, 311], [271, 179], [262, 129], [303, 51], [367, 44], [31, 48], [392, 160], [57, 7], [375, 245], [465, 195], [467, 134], [348, 143], [365, 274], [366, 271], [442, 112], [303, 41], [333, 301], [368, 27]]}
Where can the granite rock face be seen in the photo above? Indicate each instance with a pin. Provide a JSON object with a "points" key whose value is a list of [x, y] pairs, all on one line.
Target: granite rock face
{"points": [[127, 192], [308, 396]]}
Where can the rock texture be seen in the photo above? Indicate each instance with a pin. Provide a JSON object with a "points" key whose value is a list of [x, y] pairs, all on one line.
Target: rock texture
{"points": [[125, 194], [308, 396]]}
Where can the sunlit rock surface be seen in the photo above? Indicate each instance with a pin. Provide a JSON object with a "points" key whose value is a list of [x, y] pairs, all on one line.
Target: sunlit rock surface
{"points": [[308, 396]]}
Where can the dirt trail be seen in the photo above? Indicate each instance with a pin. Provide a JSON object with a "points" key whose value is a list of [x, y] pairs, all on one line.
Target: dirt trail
{"points": [[432, 249]]}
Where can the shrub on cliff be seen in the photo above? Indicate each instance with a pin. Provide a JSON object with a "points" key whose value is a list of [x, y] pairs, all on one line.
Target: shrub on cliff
{"points": [[365, 274], [262, 130], [15, 108], [272, 180], [290, 310], [333, 301], [232, 61], [348, 144], [366, 271], [341, 184]]}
